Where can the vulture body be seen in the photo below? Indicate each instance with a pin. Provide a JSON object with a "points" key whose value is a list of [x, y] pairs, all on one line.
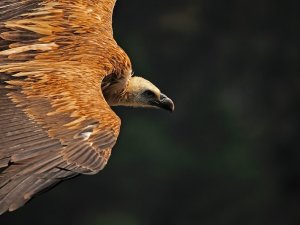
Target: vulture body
{"points": [[60, 71]]}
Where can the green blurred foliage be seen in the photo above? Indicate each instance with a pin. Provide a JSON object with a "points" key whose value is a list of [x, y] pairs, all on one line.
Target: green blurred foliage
{"points": [[229, 154]]}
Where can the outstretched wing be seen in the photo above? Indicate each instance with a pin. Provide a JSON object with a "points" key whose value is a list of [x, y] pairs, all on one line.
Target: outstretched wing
{"points": [[54, 120]]}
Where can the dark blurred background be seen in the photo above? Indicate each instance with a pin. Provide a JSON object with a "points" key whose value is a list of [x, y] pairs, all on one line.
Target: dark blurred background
{"points": [[229, 154]]}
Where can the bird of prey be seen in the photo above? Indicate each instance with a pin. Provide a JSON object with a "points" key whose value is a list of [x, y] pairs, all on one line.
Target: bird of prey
{"points": [[60, 71]]}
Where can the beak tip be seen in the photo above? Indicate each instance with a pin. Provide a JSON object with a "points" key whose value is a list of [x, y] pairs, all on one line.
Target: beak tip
{"points": [[167, 103], [172, 107]]}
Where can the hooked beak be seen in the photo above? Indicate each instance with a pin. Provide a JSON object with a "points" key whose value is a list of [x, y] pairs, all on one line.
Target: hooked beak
{"points": [[164, 103]]}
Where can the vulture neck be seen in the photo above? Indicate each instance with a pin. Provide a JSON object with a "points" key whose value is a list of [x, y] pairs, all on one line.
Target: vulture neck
{"points": [[116, 92]]}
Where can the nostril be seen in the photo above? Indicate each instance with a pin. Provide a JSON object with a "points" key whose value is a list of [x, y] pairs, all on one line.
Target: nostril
{"points": [[163, 97]]}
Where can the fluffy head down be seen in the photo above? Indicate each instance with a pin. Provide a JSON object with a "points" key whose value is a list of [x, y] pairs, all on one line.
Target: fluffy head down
{"points": [[142, 93], [139, 89]]}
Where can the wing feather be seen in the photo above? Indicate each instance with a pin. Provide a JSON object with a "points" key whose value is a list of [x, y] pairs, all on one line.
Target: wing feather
{"points": [[55, 122]]}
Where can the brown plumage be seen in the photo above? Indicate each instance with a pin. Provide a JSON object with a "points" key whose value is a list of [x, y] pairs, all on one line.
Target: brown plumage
{"points": [[60, 71]]}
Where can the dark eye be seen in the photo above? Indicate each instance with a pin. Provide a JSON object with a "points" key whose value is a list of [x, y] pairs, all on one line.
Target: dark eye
{"points": [[149, 94]]}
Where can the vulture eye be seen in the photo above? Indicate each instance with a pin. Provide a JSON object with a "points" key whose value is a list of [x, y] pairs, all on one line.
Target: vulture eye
{"points": [[149, 94]]}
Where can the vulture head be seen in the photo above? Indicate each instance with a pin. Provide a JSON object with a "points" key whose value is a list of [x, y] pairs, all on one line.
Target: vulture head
{"points": [[142, 93]]}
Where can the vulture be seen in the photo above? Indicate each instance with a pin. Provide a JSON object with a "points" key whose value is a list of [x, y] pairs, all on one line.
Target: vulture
{"points": [[60, 72]]}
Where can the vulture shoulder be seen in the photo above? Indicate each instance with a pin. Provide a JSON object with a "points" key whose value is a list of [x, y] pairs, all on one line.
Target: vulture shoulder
{"points": [[54, 121]]}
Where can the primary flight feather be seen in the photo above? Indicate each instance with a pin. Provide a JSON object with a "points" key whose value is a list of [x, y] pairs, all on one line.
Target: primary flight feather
{"points": [[60, 71]]}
